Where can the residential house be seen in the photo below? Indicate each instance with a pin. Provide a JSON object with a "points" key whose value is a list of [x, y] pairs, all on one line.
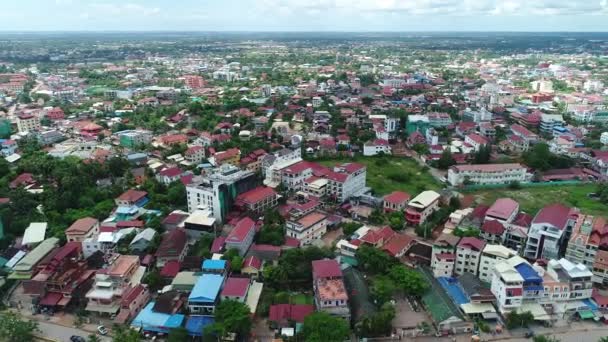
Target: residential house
{"points": [[241, 237], [308, 228], [257, 200], [132, 303], [195, 154], [443, 255], [328, 285], [169, 175], [25, 268], [142, 241], [378, 146], [550, 227], [82, 229], [235, 289], [173, 246], [421, 207], [252, 266], [205, 295], [491, 255], [132, 198], [396, 201]]}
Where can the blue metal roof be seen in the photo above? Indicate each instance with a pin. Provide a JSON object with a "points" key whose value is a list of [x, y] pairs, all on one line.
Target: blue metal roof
{"points": [[528, 273], [196, 324], [149, 320], [590, 304], [214, 264], [207, 288]]}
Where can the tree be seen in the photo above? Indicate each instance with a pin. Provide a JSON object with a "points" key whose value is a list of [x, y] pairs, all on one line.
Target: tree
{"points": [[516, 320], [409, 281], [377, 324], [125, 334], [382, 289], [230, 317], [373, 260], [483, 155], [446, 160], [13, 328], [178, 335], [93, 338], [396, 220], [153, 280], [323, 327]]}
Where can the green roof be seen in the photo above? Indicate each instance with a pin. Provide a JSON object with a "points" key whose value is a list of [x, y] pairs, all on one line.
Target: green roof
{"points": [[32, 258], [586, 314], [437, 302]]}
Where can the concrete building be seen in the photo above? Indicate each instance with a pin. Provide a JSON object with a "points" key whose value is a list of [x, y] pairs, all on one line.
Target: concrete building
{"points": [[421, 207], [549, 228], [241, 236], [443, 255], [257, 200], [308, 228], [28, 123], [468, 255], [483, 174], [82, 229], [217, 192], [491, 255], [330, 292]]}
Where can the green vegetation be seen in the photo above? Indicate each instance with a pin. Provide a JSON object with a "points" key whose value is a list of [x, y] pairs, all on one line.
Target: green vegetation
{"points": [[231, 317], [14, 328], [294, 270], [533, 199], [323, 327], [519, 320], [377, 324], [387, 174]]}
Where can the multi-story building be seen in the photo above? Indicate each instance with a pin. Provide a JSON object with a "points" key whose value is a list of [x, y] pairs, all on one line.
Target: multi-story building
{"points": [[417, 123], [443, 255], [205, 295], [134, 138], [194, 81], [396, 201], [507, 283], [550, 227], [217, 191], [173, 247], [28, 123], [439, 119], [308, 228], [468, 254], [328, 285], [195, 154], [548, 122], [241, 236], [482, 174], [542, 86], [524, 133], [257, 200], [491, 255], [231, 156], [82, 229], [504, 210], [582, 249], [345, 181], [112, 283], [421, 207], [274, 163]]}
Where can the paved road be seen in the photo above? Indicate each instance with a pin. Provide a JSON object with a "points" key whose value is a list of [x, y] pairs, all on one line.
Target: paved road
{"points": [[61, 333]]}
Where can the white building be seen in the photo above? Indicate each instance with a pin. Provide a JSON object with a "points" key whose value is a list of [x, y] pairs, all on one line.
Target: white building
{"points": [[308, 228], [542, 86], [28, 123], [549, 228], [376, 147], [549, 121], [317, 101], [273, 164], [468, 255], [213, 192], [421, 207], [443, 255], [488, 174], [593, 86], [491, 255], [604, 138]]}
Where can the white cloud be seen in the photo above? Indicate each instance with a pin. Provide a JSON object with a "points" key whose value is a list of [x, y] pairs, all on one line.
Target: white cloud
{"points": [[127, 9]]}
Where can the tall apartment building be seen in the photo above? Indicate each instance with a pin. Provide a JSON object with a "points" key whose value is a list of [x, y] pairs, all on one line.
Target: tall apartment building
{"points": [[588, 245], [491, 255], [274, 163], [483, 174], [28, 123], [217, 192], [443, 255], [468, 255], [550, 227]]}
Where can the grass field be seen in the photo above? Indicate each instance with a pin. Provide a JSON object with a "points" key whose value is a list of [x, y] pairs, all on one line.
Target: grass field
{"points": [[388, 174], [533, 199], [301, 299]]}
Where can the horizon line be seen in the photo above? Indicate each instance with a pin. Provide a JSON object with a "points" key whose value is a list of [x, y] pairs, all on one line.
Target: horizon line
{"points": [[289, 31]]}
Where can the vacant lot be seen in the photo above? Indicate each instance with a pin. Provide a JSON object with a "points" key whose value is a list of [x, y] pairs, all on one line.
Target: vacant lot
{"points": [[388, 174], [533, 199]]}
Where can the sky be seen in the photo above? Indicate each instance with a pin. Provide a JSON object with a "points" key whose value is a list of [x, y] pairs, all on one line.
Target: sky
{"points": [[304, 15]]}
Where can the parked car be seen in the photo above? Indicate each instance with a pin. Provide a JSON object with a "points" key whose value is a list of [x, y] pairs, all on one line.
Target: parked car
{"points": [[76, 338], [102, 330]]}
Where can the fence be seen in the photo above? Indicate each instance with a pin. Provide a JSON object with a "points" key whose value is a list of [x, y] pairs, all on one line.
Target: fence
{"points": [[469, 188]]}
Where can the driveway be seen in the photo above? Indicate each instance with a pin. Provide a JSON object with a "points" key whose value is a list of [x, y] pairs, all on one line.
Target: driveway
{"points": [[62, 334]]}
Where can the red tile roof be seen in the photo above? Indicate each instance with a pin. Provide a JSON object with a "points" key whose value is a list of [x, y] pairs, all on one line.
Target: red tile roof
{"points": [[493, 227], [253, 262], [236, 287], [503, 208], [554, 214], [218, 244], [132, 195], [326, 269], [129, 224], [240, 231], [171, 172], [398, 243], [397, 197], [445, 256], [172, 244], [256, 195], [291, 242], [290, 312], [82, 226], [132, 294], [472, 243], [171, 269]]}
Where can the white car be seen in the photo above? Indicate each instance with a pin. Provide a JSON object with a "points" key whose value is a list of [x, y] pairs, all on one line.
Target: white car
{"points": [[102, 330]]}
